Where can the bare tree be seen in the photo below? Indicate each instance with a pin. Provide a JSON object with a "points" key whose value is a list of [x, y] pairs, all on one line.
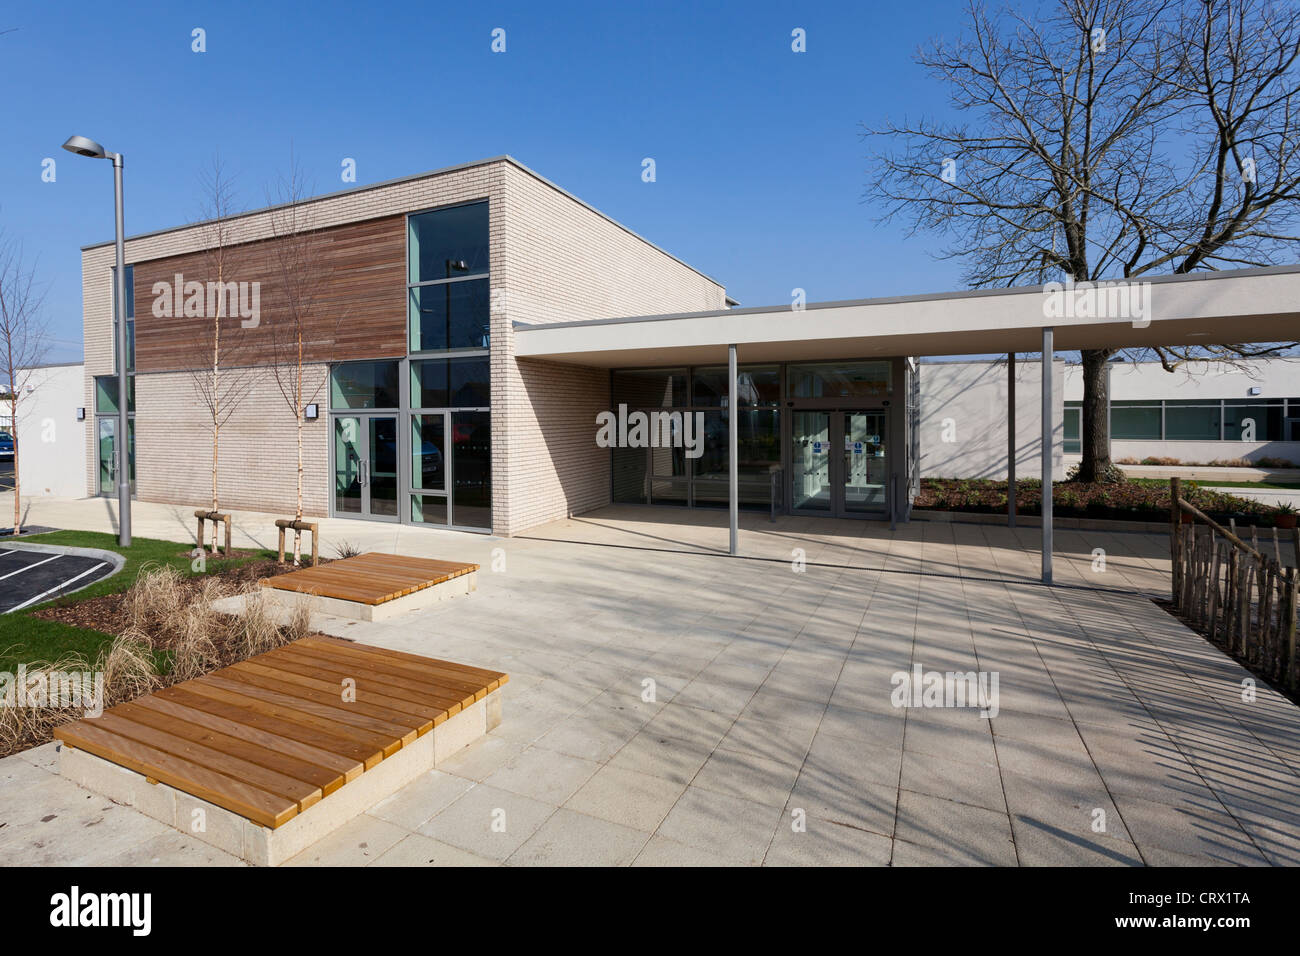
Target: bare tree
{"points": [[23, 340], [222, 369], [299, 271], [1108, 139]]}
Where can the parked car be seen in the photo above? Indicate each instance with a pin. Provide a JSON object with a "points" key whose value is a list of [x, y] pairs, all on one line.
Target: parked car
{"points": [[6, 445], [430, 465]]}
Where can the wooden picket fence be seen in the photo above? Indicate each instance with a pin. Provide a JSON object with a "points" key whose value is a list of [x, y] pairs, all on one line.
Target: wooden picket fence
{"points": [[1237, 594]]}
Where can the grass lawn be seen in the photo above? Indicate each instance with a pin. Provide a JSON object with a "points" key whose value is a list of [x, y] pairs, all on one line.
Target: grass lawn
{"points": [[24, 638]]}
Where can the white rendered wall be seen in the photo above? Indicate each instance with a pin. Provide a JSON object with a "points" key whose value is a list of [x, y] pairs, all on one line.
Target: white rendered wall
{"points": [[51, 442], [964, 419]]}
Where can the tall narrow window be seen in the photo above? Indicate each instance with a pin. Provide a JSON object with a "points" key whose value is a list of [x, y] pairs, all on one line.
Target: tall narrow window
{"points": [[449, 309], [449, 301]]}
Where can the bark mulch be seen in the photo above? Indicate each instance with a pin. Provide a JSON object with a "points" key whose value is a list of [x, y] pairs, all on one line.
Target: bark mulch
{"points": [[108, 615]]}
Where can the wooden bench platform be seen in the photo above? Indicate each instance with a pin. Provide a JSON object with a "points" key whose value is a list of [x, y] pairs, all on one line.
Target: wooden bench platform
{"points": [[361, 586], [271, 737], [370, 578]]}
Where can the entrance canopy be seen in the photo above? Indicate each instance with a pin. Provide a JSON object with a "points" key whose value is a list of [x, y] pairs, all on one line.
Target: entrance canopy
{"points": [[1249, 305]]}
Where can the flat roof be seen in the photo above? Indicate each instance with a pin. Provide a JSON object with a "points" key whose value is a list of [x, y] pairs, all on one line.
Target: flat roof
{"points": [[1244, 305], [503, 158]]}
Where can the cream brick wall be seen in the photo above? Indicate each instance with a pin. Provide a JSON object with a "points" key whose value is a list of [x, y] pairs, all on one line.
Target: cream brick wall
{"points": [[552, 259], [258, 460], [567, 263]]}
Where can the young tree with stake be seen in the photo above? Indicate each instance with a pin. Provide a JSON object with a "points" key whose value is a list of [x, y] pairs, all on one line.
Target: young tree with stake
{"points": [[23, 342]]}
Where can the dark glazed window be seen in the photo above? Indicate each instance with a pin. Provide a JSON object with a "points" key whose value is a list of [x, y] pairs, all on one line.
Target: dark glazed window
{"points": [[450, 315], [364, 385], [449, 243]]}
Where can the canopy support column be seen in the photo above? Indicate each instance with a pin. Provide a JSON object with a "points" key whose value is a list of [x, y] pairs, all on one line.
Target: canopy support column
{"points": [[733, 451], [1011, 439], [1047, 454]]}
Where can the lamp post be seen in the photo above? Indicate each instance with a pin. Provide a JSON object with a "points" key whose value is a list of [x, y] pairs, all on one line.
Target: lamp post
{"points": [[88, 147]]}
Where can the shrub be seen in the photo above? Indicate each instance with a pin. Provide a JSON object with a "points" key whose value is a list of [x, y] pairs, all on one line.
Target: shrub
{"points": [[20, 725], [258, 629], [128, 667], [346, 549], [156, 599]]}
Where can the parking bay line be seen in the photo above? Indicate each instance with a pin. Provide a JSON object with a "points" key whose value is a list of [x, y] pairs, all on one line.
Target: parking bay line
{"points": [[58, 587], [28, 567]]}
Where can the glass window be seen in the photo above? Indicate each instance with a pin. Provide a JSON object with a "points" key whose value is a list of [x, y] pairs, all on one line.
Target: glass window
{"points": [[451, 383], [471, 436], [447, 243], [649, 388], [1253, 422], [106, 394], [364, 385], [1135, 421], [450, 315], [756, 385], [429, 509], [428, 452], [1189, 422], [839, 380], [429, 384], [1073, 428], [758, 447], [630, 478]]}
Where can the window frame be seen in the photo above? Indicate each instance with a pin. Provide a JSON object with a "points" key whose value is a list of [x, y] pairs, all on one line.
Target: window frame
{"points": [[485, 274]]}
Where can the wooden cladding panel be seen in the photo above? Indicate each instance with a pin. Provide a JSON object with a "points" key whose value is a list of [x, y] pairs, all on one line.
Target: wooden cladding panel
{"points": [[357, 308]]}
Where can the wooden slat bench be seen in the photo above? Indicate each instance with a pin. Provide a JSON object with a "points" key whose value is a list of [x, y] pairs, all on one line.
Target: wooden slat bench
{"points": [[361, 585], [270, 738]]}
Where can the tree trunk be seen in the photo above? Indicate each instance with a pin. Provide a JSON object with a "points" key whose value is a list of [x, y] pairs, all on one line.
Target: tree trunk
{"points": [[1095, 427], [216, 399], [297, 534], [13, 430]]}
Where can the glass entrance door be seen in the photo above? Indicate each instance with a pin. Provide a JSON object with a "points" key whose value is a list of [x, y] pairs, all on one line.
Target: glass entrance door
{"points": [[106, 447], [838, 463], [810, 463], [107, 456], [865, 472], [365, 466]]}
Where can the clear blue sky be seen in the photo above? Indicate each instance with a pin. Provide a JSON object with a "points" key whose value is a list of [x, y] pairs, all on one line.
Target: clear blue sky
{"points": [[758, 149]]}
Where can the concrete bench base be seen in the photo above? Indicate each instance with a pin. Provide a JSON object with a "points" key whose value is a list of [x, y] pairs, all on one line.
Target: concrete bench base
{"points": [[357, 611], [263, 846]]}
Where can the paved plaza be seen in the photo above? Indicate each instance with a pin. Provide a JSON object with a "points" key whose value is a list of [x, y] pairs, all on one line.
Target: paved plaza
{"points": [[671, 705]]}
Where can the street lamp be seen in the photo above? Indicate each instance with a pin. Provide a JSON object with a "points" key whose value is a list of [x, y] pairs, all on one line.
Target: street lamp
{"points": [[88, 147]]}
